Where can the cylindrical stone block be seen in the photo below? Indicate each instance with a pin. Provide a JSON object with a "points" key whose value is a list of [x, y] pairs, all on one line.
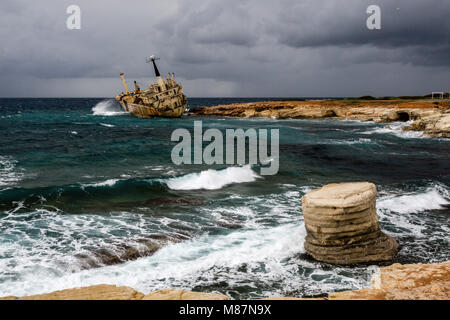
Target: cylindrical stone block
{"points": [[341, 222]]}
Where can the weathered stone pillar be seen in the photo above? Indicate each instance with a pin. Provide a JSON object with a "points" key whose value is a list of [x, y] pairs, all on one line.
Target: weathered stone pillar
{"points": [[341, 222]]}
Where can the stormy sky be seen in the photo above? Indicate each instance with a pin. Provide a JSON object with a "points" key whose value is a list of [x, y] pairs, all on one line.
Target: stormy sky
{"points": [[240, 48]]}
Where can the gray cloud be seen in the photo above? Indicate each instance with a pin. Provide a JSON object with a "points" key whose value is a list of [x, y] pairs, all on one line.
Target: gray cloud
{"points": [[419, 30], [237, 48]]}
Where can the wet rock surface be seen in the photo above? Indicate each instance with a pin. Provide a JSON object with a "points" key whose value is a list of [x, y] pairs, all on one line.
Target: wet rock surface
{"points": [[342, 225]]}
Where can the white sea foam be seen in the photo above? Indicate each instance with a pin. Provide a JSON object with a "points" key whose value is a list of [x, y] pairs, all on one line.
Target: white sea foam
{"points": [[256, 255], [212, 179], [9, 173], [433, 198], [106, 183], [107, 125], [396, 128], [405, 214], [107, 108], [183, 263], [349, 142], [32, 253]]}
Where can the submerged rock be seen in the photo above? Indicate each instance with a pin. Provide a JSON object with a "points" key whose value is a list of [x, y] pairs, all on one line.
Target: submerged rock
{"points": [[342, 225], [123, 252]]}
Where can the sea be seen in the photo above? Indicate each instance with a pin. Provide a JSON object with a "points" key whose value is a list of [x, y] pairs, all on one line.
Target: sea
{"points": [[89, 195]]}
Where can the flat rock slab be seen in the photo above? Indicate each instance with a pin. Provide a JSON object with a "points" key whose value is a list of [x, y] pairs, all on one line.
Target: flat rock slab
{"points": [[342, 195], [97, 292]]}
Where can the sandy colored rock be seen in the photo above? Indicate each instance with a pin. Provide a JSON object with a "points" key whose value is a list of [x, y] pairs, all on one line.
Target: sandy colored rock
{"points": [[174, 294], [111, 292], [342, 225], [363, 294], [289, 298], [97, 292], [405, 282], [406, 276]]}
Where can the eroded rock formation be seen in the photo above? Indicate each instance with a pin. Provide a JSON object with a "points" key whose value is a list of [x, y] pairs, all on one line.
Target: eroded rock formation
{"points": [[342, 225]]}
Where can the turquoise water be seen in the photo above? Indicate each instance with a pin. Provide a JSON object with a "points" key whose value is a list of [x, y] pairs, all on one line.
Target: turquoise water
{"points": [[88, 194]]}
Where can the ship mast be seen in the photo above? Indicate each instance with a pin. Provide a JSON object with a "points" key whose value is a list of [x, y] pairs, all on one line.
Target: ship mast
{"points": [[122, 76], [160, 81]]}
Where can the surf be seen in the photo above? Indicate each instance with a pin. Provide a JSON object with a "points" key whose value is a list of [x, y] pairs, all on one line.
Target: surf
{"points": [[107, 108], [213, 179]]}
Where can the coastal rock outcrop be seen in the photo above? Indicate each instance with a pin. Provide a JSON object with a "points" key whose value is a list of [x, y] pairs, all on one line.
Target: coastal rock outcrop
{"points": [[404, 282], [342, 225], [96, 292], [428, 115], [112, 292], [433, 125]]}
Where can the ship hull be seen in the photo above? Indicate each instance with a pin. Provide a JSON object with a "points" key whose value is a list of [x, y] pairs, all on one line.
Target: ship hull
{"points": [[145, 111]]}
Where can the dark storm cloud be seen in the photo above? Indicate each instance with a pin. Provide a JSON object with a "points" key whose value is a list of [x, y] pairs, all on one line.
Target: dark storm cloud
{"points": [[420, 30], [238, 48], [404, 23]]}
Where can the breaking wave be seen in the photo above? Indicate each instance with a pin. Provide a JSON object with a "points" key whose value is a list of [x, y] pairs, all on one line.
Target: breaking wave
{"points": [[419, 221], [433, 198], [107, 107], [106, 183], [396, 128], [213, 179]]}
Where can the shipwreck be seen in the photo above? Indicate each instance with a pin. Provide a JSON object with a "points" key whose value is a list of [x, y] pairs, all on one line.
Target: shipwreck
{"points": [[165, 98]]}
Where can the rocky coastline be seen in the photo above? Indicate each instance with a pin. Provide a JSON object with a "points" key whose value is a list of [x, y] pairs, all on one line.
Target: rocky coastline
{"points": [[395, 282], [432, 117]]}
